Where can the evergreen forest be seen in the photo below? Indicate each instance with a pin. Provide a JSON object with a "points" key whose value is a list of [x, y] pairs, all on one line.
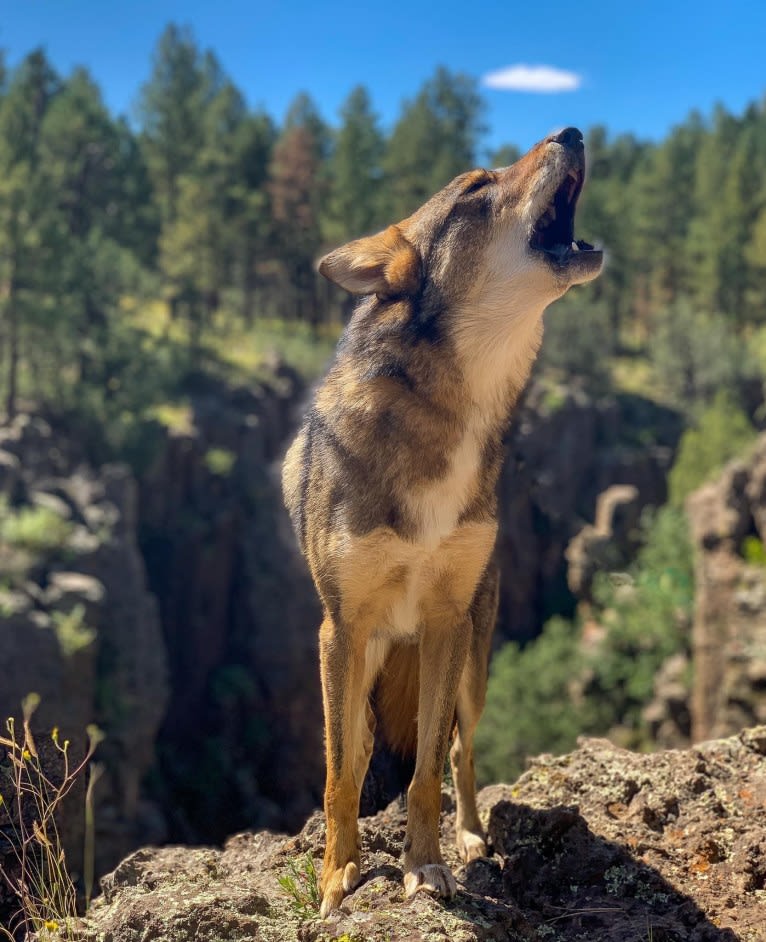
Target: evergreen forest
{"points": [[139, 250]]}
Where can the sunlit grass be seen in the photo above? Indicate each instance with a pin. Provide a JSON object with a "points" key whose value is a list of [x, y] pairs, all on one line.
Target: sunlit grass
{"points": [[175, 416], [220, 461], [634, 375], [247, 353], [38, 529]]}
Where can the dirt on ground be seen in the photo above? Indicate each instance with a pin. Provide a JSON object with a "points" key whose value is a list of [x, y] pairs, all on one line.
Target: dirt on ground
{"points": [[598, 845]]}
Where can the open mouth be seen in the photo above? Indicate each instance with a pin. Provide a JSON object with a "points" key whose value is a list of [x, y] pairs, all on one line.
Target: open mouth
{"points": [[553, 233]]}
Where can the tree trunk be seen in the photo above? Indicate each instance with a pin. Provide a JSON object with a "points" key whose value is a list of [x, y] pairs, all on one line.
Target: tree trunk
{"points": [[12, 317]]}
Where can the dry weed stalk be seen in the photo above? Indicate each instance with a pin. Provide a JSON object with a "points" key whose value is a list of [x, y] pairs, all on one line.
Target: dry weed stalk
{"points": [[30, 797]]}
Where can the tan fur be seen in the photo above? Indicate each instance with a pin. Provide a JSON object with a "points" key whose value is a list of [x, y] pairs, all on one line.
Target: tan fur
{"points": [[390, 485]]}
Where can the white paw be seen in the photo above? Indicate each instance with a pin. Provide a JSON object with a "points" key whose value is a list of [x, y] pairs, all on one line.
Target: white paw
{"points": [[470, 846], [434, 879]]}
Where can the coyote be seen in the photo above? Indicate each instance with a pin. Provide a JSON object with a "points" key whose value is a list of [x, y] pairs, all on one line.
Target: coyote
{"points": [[390, 483]]}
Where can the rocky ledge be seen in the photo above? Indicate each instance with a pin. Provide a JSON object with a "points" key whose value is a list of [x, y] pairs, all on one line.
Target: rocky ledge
{"points": [[601, 844]]}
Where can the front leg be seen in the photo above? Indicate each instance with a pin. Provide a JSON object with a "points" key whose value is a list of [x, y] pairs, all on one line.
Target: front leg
{"points": [[348, 744], [442, 655]]}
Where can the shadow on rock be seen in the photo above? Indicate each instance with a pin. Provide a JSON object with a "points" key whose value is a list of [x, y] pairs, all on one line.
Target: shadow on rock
{"points": [[560, 878]]}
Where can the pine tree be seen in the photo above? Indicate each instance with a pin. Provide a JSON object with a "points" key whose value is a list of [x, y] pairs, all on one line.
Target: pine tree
{"points": [[252, 226], [433, 141], [170, 111], [23, 205], [355, 172], [296, 190]]}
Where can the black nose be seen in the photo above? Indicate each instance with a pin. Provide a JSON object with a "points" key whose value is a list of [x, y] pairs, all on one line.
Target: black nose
{"points": [[569, 137]]}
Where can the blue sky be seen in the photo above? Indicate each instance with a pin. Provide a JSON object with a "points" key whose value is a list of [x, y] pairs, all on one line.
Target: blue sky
{"points": [[638, 67]]}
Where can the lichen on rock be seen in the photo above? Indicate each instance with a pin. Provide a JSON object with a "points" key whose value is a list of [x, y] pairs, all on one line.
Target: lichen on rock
{"points": [[601, 844]]}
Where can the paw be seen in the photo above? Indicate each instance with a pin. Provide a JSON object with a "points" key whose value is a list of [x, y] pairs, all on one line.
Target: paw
{"points": [[434, 879], [470, 845], [338, 884]]}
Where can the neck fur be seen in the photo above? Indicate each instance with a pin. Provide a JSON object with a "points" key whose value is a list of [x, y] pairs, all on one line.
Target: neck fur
{"points": [[496, 347]]}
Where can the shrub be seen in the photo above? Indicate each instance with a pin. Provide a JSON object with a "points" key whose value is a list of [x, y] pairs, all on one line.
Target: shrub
{"points": [[540, 698], [695, 355], [753, 551], [579, 341], [72, 632], [301, 886], [220, 461], [529, 702], [38, 529], [722, 432], [646, 615]]}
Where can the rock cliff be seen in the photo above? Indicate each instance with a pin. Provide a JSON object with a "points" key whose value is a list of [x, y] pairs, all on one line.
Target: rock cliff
{"points": [[565, 449], [197, 649], [601, 844], [728, 523], [78, 625]]}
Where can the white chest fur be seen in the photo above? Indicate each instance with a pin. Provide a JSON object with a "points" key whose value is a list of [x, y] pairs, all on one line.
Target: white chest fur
{"points": [[436, 506]]}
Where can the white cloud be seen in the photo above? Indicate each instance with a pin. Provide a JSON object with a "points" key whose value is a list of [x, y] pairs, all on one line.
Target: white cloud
{"points": [[532, 78]]}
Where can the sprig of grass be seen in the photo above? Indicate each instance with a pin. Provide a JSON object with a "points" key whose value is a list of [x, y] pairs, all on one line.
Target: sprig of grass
{"points": [[301, 885], [41, 882]]}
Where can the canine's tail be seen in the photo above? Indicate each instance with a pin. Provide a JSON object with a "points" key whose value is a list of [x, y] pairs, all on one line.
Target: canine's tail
{"points": [[396, 699]]}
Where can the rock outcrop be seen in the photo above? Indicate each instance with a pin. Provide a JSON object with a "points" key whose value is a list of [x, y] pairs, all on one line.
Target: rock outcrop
{"points": [[565, 449], [667, 714], [601, 844], [728, 525], [78, 625], [241, 741], [609, 543]]}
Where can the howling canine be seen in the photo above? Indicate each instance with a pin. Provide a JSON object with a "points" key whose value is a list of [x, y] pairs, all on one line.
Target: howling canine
{"points": [[391, 483]]}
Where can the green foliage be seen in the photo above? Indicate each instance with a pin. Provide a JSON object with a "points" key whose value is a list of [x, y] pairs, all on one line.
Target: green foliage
{"points": [[579, 341], [646, 615], [220, 213], [354, 205], [434, 140], [37, 529], [540, 698], [723, 432], [301, 886], [530, 705], [220, 461], [72, 632], [753, 551], [695, 354]]}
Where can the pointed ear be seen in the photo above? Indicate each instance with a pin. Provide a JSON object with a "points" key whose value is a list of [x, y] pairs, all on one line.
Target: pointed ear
{"points": [[386, 264]]}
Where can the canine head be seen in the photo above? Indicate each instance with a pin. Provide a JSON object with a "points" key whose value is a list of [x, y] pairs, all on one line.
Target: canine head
{"points": [[485, 256], [514, 223]]}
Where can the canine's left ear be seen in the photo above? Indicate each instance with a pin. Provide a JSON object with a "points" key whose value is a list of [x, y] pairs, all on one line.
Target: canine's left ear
{"points": [[386, 264]]}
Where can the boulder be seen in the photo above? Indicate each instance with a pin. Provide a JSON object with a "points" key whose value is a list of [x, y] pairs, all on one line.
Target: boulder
{"points": [[599, 844], [609, 543]]}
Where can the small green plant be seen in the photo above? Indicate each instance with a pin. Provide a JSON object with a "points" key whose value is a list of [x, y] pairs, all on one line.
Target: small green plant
{"points": [[72, 632], [38, 529], [753, 551], [220, 461], [31, 795], [301, 886], [175, 416]]}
